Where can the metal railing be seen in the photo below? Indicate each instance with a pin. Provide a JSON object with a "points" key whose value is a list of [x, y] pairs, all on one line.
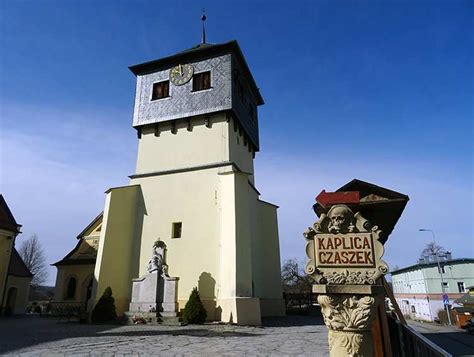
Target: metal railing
{"points": [[299, 303], [412, 343], [67, 309]]}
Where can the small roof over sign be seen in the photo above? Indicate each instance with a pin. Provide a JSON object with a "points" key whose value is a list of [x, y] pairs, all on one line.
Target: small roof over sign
{"points": [[381, 206]]}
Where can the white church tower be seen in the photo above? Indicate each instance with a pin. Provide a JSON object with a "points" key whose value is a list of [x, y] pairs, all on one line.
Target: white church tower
{"points": [[194, 189]]}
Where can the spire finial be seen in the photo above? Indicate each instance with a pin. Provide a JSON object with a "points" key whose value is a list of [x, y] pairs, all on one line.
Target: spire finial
{"points": [[203, 19]]}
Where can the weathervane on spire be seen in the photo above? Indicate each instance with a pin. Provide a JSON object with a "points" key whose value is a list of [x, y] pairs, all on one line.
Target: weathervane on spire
{"points": [[203, 19]]}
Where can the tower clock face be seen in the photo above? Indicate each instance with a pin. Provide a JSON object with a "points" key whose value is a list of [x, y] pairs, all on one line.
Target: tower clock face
{"points": [[181, 74]]}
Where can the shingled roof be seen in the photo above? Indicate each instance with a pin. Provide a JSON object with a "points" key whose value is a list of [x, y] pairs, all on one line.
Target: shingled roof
{"points": [[17, 266]]}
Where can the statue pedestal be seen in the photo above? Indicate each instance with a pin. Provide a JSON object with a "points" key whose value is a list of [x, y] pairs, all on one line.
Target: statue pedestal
{"points": [[169, 302], [348, 312], [155, 292]]}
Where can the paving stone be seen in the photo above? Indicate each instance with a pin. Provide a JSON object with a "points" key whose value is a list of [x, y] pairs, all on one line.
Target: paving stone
{"points": [[291, 336]]}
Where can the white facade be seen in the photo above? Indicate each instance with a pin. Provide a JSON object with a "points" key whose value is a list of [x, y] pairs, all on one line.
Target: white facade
{"points": [[418, 288]]}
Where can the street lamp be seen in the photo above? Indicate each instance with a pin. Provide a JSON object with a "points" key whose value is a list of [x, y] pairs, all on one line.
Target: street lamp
{"points": [[440, 271]]}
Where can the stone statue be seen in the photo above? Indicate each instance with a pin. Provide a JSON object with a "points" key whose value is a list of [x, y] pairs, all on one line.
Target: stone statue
{"points": [[158, 261], [155, 293]]}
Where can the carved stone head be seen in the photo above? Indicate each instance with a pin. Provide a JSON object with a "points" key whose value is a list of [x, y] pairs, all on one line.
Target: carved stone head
{"points": [[341, 219]]}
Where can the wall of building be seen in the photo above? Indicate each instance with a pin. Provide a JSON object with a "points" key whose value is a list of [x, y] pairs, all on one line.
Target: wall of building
{"points": [[266, 261], [239, 152], [410, 282], [22, 284], [244, 103], [419, 292], [202, 191], [416, 308], [202, 146], [119, 245], [6, 246], [182, 102], [189, 198], [454, 274], [220, 142], [82, 273]]}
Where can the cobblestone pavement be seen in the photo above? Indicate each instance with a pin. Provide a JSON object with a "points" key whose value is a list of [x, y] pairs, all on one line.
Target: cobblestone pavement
{"points": [[35, 336]]}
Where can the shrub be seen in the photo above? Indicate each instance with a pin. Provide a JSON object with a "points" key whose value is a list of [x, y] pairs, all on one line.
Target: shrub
{"points": [[194, 311], [104, 311]]}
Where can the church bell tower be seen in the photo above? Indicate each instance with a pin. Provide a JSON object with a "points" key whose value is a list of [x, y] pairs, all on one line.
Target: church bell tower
{"points": [[194, 188]]}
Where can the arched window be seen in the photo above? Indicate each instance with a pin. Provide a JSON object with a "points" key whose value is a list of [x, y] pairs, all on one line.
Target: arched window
{"points": [[71, 288]]}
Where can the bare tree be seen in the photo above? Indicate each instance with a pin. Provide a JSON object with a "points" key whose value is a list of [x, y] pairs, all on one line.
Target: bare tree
{"points": [[33, 255], [432, 250], [293, 277]]}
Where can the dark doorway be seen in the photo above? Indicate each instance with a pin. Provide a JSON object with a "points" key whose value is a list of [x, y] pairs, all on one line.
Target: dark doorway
{"points": [[71, 288]]}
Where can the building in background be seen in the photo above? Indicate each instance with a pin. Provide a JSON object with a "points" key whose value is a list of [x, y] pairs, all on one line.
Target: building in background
{"points": [[15, 278], [194, 189], [418, 288], [75, 275]]}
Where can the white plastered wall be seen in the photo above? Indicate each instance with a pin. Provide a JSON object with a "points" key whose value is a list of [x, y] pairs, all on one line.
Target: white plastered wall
{"points": [[220, 215], [119, 245]]}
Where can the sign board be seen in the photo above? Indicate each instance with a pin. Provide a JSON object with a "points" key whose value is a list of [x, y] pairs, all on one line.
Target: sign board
{"points": [[344, 248], [445, 299], [350, 250]]}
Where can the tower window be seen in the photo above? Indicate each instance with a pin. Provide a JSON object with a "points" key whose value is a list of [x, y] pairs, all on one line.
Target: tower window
{"points": [[201, 81], [177, 229], [160, 90]]}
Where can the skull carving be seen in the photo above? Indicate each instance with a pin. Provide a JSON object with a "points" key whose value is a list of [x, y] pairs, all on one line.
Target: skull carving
{"points": [[341, 219]]}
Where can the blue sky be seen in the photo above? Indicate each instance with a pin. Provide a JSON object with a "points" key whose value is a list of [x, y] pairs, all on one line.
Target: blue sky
{"points": [[376, 90]]}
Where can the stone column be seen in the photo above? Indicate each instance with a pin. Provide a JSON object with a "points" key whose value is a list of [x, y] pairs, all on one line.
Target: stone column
{"points": [[344, 252], [349, 320]]}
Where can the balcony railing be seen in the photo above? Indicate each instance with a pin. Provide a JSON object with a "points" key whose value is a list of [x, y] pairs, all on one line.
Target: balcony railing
{"points": [[410, 343]]}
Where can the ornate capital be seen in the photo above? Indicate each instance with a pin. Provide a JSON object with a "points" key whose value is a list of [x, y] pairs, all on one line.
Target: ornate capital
{"points": [[349, 319]]}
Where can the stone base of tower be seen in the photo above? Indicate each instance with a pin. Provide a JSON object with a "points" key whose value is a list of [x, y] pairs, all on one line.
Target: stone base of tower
{"points": [[272, 307], [240, 310]]}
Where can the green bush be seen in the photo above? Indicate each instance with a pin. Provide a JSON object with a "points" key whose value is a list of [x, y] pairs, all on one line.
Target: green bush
{"points": [[104, 310], [194, 311]]}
